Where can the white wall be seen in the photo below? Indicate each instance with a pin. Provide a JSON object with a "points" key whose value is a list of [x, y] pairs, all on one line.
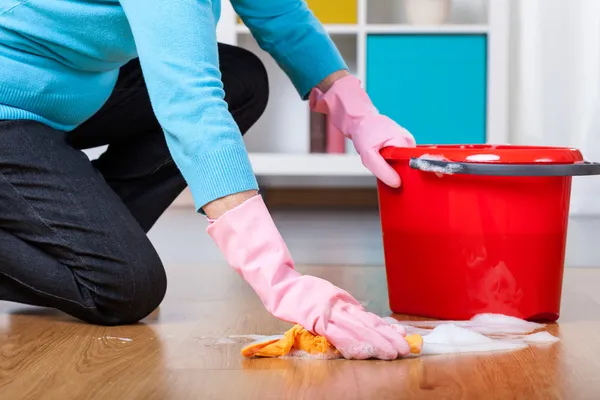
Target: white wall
{"points": [[555, 82]]}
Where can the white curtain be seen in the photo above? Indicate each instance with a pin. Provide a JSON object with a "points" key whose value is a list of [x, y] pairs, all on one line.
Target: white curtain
{"points": [[555, 82]]}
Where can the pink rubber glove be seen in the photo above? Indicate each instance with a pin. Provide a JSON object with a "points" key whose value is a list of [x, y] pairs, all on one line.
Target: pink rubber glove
{"points": [[252, 245], [351, 111]]}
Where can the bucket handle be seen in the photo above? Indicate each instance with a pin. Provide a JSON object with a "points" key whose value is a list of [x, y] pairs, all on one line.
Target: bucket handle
{"points": [[489, 169]]}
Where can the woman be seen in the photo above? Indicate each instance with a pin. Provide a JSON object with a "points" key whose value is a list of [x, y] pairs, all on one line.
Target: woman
{"points": [[148, 79]]}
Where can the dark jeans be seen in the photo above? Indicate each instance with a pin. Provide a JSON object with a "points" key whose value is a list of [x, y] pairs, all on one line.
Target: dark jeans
{"points": [[73, 232]]}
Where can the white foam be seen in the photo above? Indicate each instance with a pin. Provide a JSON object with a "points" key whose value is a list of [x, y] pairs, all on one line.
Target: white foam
{"points": [[535, 338], [483, 333], [329, 355], [451, 339], [122, 339], [423, 164], [485, 324], [483, 157], [226, 341], [257, 338]]}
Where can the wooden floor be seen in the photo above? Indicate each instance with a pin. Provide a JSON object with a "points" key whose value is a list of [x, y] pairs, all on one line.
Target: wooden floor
{"points": [[182, 351]]}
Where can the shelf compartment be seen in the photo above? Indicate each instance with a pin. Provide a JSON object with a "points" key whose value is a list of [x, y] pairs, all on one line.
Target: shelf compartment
{"points": [[284, 126], [462, 12], [334, 11], [348, 47], [433, 85]]}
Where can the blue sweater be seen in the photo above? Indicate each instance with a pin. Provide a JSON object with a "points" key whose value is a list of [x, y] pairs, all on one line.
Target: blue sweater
{"points": [[59, 62]]}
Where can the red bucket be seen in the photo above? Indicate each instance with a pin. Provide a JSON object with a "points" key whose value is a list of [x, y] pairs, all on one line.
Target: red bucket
{"points": [[483, 231]]}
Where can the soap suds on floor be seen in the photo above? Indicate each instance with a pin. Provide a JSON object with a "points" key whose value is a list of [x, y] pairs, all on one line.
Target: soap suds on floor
{"points": [[451, 339], [235, 339], [226, 341], [482, 333], [534, 338], [118, 338], [304, 355], [254, 336], [483, 323]]}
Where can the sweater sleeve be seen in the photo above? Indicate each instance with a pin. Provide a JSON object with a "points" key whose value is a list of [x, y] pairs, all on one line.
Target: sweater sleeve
{"points": [[293, 36], [177, 47]]}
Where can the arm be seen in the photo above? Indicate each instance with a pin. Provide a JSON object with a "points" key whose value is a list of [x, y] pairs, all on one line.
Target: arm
{"points": [[301, 47], [177, 46], [217, 208], [333, 73], [296, 40]]}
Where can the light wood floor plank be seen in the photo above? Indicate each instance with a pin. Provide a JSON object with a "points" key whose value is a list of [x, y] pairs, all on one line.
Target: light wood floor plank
{"points": [[182, 351]]}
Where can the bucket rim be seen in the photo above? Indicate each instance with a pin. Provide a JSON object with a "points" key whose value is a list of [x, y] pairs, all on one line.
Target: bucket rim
{"points": [[488, 153]]}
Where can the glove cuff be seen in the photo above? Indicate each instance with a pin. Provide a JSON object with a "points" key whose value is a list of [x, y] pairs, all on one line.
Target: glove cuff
{"points": [[346, 103]]}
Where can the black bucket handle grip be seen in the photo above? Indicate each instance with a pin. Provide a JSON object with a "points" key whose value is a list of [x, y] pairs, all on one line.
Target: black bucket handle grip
{"points": [[585, 168]]}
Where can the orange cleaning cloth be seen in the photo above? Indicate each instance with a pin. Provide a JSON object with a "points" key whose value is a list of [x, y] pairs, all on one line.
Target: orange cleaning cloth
{"points": [[299, 339]]}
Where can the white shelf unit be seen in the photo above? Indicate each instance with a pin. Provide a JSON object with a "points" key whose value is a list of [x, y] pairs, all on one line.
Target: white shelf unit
{"points": [[279, 142], [302, 165]]}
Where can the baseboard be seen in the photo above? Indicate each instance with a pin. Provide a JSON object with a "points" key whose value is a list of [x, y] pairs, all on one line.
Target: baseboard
{"points": [[307, 198], [582, 204]]}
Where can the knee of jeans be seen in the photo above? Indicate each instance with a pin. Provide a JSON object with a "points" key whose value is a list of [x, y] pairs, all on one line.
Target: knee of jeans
{"points": [[136, 295], [257, 88], [261, 91]]}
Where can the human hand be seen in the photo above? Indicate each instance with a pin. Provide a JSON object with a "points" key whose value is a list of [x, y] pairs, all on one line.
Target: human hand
{"points": [[352, 113], [252, 245]]}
